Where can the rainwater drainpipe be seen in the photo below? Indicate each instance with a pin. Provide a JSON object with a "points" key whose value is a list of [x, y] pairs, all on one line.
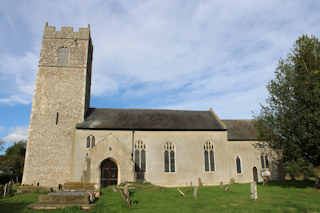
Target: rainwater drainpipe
{"points": [[132, 144]]}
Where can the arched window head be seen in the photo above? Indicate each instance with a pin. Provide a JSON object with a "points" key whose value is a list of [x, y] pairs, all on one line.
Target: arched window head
{"points": [[208, 156], [169, 157], [63, 57], [238, 162], [140, 156]]}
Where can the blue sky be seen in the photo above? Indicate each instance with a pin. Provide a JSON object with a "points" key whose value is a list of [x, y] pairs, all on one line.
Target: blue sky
{"points": [[165, 54]]}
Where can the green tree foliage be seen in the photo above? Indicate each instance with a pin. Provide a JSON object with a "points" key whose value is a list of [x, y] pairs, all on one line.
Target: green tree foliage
{"points": [[290, 121], [13, 159]]}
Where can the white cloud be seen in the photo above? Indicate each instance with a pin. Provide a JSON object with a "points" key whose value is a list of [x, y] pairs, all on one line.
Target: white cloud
{"points": [[190, 54], [17, 74], [16, 134]]}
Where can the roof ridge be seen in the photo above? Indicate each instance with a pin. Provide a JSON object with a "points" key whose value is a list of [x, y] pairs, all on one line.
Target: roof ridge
{"points": [[174, 110], [217, 118]]}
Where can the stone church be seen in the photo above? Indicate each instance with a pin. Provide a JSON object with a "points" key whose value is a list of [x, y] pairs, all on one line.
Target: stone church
{"points": [[70, 142]]}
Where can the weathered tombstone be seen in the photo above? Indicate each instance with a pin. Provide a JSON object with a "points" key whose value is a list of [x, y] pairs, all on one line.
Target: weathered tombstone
{"points": [[232, 180], [195, 192], [253, 191], [17, 180], [9, 188], [5, 190], [317, 182], [221, 185], [12, 181], [1, 190], [226, 187], [182, 194], [199, 182]]}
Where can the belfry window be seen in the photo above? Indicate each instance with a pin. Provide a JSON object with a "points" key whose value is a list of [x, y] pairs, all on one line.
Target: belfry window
{"points": [[169, 157], [264, 161], [208, 157], [63, 57], [238, 162], [91, 141], [140, 156]]}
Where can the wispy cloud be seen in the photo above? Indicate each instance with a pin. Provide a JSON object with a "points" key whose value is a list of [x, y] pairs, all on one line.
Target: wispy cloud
{"points": [[17, 77], [16, 134]]}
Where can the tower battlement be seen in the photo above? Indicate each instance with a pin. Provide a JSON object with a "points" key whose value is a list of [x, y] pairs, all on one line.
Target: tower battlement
{"points": [[66, 32]]}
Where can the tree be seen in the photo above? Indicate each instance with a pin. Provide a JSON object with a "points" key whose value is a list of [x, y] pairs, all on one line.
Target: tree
{"points": [[290, 122], [14, 158]]}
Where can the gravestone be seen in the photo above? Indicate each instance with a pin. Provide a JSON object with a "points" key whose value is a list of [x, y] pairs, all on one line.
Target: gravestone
{"points": [[199, 182], [9, 187], [17, 180], [221, 185], [232, 180], [195, 192], [5, 190], [253, 191]]}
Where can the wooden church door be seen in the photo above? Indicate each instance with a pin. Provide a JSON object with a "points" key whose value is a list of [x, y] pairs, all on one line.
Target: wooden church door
{"points": [[109, 173]]}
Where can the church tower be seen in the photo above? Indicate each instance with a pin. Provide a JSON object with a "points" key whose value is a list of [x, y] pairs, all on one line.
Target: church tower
{"points": [[61, 100]]}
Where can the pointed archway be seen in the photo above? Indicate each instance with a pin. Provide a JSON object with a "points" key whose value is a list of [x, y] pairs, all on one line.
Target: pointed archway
{"points": [[109, 173]]}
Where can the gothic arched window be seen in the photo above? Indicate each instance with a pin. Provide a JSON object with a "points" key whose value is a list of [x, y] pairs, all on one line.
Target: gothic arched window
{"points": [[88, 142], [140, 156], [91, 141], [208, 156], [169, 157], [238, 162]]}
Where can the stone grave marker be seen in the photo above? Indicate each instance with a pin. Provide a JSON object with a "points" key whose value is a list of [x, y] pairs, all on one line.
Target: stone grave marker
{"points": [[5, 189], [253, 191], [195, 192], [10, 187]]}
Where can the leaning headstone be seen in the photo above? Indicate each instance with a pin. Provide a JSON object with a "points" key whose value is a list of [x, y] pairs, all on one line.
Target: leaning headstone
{"points": [[317, 182], [195, 192], [182, 194], [5, 189], [253, 191]]}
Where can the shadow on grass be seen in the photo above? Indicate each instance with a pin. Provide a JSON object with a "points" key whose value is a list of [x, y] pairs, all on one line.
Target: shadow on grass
{"points": [[292, 184], [13, 207]]}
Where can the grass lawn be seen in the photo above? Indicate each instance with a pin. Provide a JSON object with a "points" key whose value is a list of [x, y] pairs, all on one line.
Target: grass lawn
{"points": [[285, 196]]}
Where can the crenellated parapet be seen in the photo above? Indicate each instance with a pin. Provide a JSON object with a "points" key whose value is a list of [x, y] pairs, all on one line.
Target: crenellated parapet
{"points": [[66, 32]]}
